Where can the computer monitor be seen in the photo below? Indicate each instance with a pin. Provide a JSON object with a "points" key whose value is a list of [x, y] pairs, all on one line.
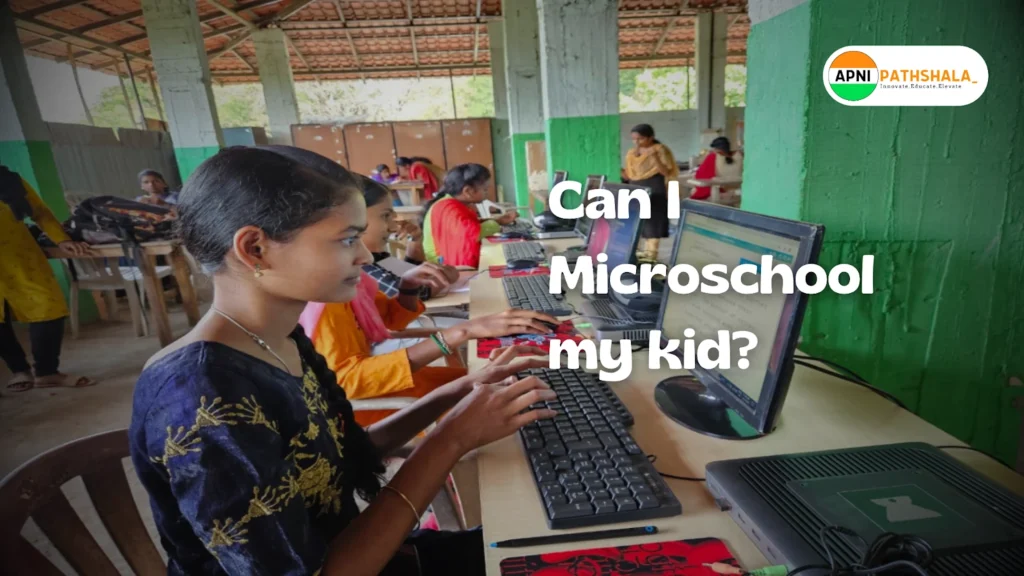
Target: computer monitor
{"points": [[584, 224], [560, 176], [735, 403], [616, 237]]}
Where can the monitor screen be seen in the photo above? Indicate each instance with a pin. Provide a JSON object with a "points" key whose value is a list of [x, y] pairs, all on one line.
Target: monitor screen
{"points": [[560, 176], [705, 240], [583, 225], [616, 237]]}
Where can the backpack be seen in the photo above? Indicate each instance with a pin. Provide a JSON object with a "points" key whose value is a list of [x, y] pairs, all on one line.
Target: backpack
{"points": [[109, 219]]}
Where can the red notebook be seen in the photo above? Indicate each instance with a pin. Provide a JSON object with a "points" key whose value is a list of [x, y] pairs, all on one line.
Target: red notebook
{"points": [[700, 557], [564, 331]]}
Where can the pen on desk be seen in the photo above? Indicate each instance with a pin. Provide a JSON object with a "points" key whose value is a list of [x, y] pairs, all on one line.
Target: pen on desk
{"points": [[579, 537]]}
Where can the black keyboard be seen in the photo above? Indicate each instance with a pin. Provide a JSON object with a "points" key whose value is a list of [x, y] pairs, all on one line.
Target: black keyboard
{"points": [[518, 227], [524, 251], [531, 293], [588, 469], [607, 310]]}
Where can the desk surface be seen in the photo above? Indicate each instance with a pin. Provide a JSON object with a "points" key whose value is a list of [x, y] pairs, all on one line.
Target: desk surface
{"points": [[820, 413]]}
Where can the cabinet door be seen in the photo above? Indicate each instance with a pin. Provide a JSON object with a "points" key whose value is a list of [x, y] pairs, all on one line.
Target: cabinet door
{"points": [[369, 145], [324, 139], [468, 141], [420, 139]]}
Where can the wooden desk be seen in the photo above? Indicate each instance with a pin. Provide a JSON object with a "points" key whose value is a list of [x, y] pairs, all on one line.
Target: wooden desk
{"points": [[820, 413], [408, 212], [154, 291], [414, 187]]}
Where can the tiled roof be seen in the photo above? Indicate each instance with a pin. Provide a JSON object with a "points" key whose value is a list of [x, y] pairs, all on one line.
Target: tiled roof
{"points": [[345, 39]]}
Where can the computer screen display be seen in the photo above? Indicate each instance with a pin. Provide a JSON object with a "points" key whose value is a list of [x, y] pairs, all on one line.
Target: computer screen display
{"points": [[706, 240], [615, 237], [584, 224]]}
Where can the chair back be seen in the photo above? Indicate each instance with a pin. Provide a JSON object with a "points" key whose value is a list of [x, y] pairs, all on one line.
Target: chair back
{"points": [[397, 248], [34, 491], [97, 273]]}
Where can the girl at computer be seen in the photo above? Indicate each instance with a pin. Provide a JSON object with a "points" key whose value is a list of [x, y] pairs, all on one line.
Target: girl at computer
{"points": [[651, 164], [452, 229], [249, 451]]}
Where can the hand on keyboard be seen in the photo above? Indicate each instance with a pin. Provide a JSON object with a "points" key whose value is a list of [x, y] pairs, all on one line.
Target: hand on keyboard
{"points": [[507, 323], [493, 411]]}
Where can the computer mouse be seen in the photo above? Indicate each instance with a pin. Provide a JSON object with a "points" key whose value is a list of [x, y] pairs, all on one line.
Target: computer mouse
{"points": [[550, 325], [521, 264], [513, 235]]}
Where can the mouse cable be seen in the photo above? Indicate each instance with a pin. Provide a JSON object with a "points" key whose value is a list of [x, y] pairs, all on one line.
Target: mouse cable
{"points": [[874, 389], [652, 458], [831, 364], [979, 451], [889, 552]]}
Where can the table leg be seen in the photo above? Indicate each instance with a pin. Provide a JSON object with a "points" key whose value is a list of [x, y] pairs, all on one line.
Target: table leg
{"points": [[183, 275], [155, 295], [414, 196]]}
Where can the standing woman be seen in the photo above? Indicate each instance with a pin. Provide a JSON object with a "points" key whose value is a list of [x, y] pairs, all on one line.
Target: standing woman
{"points": [[651, 164], [28, 290]]}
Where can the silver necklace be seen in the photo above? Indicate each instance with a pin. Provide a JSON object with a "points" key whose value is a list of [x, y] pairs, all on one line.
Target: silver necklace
{"points": [[255, 338]]}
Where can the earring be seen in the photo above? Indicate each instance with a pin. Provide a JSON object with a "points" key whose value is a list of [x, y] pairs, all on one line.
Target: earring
{"points": [[259, 272]]}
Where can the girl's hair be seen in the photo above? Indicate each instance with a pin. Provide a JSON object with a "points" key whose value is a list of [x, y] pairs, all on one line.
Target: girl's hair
{"points": [[151, 172], [382, 167], [458, 178], [421, 159], [722, 143], [403, 161], [646, 131], [13, 193], [373, 192], [279, 189]]}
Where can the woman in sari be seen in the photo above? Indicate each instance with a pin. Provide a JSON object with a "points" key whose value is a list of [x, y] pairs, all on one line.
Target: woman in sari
{"points": [[420, 169], [651, 164], [249, 451], [345, 333], [452, 229]]}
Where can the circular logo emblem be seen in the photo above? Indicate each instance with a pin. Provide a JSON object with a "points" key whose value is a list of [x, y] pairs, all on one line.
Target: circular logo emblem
{"points": [[853, 76]]}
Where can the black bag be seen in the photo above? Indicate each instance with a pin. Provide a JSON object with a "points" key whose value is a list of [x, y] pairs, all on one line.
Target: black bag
{"points": [[109, 219]]}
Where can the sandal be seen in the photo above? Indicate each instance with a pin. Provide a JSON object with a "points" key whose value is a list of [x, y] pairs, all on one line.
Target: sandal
{"points": [[21, 382], [60, 380]]}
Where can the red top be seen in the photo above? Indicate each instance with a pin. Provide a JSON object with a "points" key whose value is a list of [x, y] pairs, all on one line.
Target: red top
{"points": [[455, 229], [419, 171], [705, 171]]}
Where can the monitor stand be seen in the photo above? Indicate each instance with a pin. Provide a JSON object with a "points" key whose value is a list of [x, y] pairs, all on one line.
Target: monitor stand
{"points": [[689, 403]]}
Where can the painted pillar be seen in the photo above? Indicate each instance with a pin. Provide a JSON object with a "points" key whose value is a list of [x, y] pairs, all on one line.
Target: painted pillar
{"points": [[500, 141], [278, 85], [523, 78], [933, 193], [711, 55], [580, 72], [179, 57], [25, 140]]}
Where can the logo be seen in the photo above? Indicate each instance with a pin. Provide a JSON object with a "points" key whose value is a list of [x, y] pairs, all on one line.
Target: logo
{"points": [[853, 76], [903, 509], [905, 76]]}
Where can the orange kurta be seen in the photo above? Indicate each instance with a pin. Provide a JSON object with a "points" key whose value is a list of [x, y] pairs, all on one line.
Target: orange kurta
{"points": [[348, 352]]}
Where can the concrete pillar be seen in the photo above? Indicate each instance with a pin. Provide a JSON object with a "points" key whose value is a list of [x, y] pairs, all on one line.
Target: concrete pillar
{"points": [[580, 81], [711, 55], [522, 75], [500, 141], [179, 57], [278, 84]]}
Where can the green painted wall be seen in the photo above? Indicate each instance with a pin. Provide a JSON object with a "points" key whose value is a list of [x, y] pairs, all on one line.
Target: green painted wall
{"points": [[190, 158], [935, 193], [501, 146], [584, 145], [522, 176]]}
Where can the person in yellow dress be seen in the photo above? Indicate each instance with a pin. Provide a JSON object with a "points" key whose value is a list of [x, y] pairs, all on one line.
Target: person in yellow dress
{"points": [[28, 289], [651, 164]]}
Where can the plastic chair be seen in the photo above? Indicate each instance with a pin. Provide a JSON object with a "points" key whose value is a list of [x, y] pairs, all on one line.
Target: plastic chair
{"points": [[33, 491], [102, 275]]}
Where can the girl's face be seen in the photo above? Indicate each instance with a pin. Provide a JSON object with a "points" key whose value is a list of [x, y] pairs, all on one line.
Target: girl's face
{"points": [[380, 225], [323, 261], [153, 185], [385, 173], [475, 194], [403, 171], [640, 141]]}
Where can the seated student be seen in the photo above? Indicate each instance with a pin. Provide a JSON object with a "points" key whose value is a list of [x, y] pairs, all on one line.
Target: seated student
{"points": [[452, 229], [345, 332], [248, 450], [382, 174], [156, 189], [419, 169], [722, 162]]}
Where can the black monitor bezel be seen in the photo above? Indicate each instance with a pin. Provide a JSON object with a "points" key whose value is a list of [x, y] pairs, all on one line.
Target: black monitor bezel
{"points": [[600, 182], [634, 243], [773, 392], [554, 178]]}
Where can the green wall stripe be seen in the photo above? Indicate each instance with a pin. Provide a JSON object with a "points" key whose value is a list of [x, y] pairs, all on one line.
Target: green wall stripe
{"points": [[504, 173], [190, 158], [582, 146], [522, 177]]}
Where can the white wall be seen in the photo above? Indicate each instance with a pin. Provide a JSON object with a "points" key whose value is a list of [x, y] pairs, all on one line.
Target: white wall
{"points": [[676, 129]]}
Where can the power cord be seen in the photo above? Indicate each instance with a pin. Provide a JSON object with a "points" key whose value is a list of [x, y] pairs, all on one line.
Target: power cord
{"points": [[831, 364], [652, 458], [889, 552], [979, 451], [834, 374]]}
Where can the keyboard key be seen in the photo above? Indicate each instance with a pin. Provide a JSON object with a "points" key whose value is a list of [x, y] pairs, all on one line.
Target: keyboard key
{"points": [[615, 482], [556, 500], [634, 480], [577, 497], [573, 486], [610, 441], [546, 476], [585, 444], [604, 506], [620, 491], [647, 501], [573, 510], [562, 464], [625, 504], [601, 495]]}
